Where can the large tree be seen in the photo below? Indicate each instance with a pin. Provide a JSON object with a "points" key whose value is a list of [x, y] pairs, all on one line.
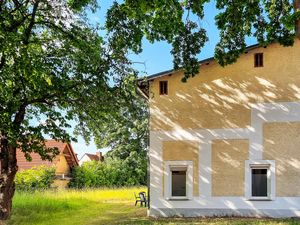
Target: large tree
{"points": [[55, 68]]}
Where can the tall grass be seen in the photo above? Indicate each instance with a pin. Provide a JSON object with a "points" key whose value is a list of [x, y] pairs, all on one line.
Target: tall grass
{"points": [[71, 206], [102, 206], [103, 195]]}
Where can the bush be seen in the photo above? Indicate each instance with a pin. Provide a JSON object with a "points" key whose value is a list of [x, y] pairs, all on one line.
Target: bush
{"points": [[110, 173], [36, 178]]}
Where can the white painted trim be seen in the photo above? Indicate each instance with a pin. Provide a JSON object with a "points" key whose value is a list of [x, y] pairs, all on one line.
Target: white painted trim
{"points": [[267, 113], [228, 203], [268, 164], [205, 169], [168, 179], [217, 212]]}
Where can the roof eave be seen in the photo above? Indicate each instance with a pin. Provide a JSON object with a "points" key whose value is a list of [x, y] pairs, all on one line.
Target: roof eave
{"points": [[204, 61]]}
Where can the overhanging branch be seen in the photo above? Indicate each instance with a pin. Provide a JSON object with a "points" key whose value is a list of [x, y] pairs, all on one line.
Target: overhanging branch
{"points": [[31, 23]]}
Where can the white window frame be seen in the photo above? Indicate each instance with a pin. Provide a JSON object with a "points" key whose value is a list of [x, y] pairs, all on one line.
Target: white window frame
{"points": [[168, 179], [260, 164]]}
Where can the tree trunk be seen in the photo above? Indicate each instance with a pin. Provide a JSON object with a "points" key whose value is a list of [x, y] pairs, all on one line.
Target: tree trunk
{"points": [[8, 170], [297, 22]]}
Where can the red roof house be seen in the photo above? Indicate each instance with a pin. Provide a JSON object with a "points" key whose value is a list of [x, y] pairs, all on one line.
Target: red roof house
{"points": [[64, 162]]}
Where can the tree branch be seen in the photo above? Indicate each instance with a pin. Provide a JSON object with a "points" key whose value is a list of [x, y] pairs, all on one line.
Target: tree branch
{"points": [[31, 24], [2, 61], [15, 23], [19, 5], [20, 115]]}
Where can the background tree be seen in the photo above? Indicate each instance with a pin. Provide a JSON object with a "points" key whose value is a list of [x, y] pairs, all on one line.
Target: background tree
{"points": [[54, 66], [126, 133], [124, 130]]}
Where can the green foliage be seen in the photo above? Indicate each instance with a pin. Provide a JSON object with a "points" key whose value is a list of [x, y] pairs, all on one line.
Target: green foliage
{"points": [[79, 5], [125, 128], [158, 20], [125, 131], [55, 70], [35, 179], [179, 23], [111, 173]]}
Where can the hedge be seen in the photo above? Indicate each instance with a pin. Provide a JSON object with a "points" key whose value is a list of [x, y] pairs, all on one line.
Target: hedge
{"points": [[110, 173], [36, 178]]}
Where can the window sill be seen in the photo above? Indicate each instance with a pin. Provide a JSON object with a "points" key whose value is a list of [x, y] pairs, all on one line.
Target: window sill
{"points": [[260, 199], [178, 199]]}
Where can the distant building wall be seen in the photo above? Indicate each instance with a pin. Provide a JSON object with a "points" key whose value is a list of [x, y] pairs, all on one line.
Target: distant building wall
{"points": [[62, 166]]}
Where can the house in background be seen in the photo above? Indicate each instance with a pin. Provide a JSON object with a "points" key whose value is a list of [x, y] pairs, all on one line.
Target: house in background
{"points": [[87, 157], [63, 163], [227, 142]]}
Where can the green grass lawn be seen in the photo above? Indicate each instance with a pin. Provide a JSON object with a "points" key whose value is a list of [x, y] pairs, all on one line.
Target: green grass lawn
{"points": [[101, 206]]}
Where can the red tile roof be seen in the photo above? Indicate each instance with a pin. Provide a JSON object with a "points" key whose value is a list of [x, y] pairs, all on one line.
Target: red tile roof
{"points": [[93, 157], [64, 148]]}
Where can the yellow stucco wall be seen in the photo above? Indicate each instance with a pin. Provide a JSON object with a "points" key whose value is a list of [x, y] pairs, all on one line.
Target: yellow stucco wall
{"points": [[220, 97], [282, 144], [62, 166], [228, 167], [60, 184], [184, 150]]}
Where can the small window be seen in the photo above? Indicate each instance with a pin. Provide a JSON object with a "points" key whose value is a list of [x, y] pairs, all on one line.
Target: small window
{"points": [[259, 60], [163, 87], [259, 182], [179, 183]]}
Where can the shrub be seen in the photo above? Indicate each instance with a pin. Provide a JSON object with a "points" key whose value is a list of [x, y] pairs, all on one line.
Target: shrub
{"points": [[110, 173], [36, 178]]}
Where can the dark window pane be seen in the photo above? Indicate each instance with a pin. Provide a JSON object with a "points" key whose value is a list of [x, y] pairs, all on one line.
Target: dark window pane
{"points": [[166, 87], [163, 87], [259, 60], [259, 183], [178, 183], [255, 60]]}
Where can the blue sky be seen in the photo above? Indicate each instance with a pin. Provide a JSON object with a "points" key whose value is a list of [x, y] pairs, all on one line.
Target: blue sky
{"points": [[157, 57]]}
